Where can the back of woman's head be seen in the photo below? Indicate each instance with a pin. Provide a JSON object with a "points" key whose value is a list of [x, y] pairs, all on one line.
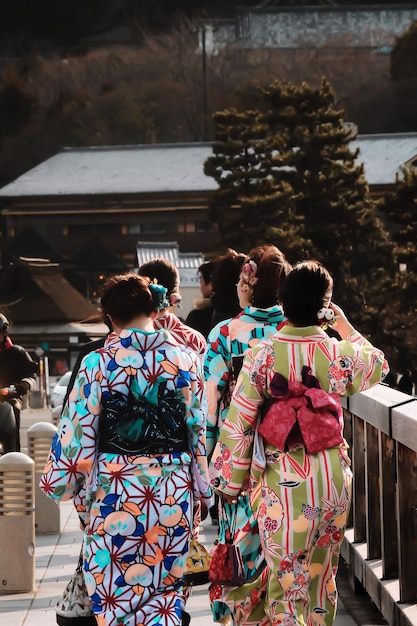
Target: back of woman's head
{"points": [[226, 270], [307, 288], [127, 296], [271, 269], [164, 272], [206, 271]]}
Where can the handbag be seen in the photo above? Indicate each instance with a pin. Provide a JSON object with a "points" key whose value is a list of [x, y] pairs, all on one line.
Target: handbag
{"points": [[74, 606], [226, 565], [196, 565]]}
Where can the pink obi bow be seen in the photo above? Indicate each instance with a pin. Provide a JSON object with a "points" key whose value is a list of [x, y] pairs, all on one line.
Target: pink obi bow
{"points": [[302, 413]]}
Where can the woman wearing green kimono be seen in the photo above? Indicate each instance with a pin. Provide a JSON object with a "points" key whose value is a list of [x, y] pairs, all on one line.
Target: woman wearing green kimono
{"points": [[284, 429]]}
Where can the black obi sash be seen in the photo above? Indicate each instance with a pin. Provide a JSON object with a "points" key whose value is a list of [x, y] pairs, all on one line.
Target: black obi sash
{"points": [[132, 425]]}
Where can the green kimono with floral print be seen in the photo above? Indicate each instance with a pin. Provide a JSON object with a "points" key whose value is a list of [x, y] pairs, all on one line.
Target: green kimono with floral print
{"points": [[301, 500]]}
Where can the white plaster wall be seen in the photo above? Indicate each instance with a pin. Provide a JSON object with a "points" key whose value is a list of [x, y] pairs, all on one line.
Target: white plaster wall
{"points": [[322, 26]]}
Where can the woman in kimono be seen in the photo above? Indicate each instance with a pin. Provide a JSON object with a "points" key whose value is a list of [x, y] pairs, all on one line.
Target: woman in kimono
{"points": [[258, 291], [166, 274], [131, 430], [285, 428]]}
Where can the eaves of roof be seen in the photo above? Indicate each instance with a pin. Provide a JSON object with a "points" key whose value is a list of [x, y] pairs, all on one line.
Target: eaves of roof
{"points": [[112, 170], [123, 171]]}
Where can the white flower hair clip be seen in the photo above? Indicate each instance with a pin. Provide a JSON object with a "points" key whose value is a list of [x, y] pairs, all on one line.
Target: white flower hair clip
{"points": [[327, 316]]}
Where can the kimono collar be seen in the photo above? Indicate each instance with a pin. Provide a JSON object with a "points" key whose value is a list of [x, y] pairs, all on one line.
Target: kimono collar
{"points": [[303, 331], [259, 315], [142, 339]]}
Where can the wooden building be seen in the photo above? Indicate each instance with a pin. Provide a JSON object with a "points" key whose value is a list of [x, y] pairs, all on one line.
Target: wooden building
{"points": [[92, 205]]}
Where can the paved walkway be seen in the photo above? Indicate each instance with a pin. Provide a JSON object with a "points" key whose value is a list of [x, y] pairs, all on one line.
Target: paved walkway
{"points": [[55, 558]]}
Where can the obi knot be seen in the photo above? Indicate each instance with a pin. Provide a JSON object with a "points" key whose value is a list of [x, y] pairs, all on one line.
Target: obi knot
{"points": [[302, 413]]}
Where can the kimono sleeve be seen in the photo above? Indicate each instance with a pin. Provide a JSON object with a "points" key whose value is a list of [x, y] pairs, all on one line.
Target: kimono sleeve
{"points": [[358, 366], [73, 448], [232, 455], [196, 425], [217, 375]]}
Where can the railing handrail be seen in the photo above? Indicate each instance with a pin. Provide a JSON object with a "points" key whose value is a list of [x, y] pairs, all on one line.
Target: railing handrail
{"points": [[381, 545]]}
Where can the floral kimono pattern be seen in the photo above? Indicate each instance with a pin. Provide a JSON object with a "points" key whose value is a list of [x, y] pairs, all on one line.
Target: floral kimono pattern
{"points": [[227, 343], [227, 340], [138, 507], [195, 341], [301, 500]]}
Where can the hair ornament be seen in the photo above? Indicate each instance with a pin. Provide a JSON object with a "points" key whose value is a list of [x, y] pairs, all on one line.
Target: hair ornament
{"points": [[248, 275], [327, 316], [159, 295], [175, 299]]}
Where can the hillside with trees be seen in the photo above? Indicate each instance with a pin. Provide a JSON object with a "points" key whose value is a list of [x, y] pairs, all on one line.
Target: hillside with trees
{"points": [[164, 90], [47, 26]]}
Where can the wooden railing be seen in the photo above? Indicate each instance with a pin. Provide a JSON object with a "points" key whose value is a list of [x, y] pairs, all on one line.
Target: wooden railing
{"points": [[380, 545]]}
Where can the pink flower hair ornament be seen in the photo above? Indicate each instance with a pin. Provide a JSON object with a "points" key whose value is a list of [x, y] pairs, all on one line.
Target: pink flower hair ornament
{"points": [[248, 275], [175, 298]]}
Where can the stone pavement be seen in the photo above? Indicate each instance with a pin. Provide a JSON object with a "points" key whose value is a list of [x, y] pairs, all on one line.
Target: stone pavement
{"points": [[55, 558]]}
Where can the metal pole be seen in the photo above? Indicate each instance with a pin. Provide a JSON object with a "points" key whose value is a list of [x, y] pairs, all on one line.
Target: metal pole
{"points": [[205, 110]]}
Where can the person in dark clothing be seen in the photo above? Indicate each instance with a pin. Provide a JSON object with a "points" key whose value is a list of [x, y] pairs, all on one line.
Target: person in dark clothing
{"points": [[18, 373], [200, 317], [225, 302], [226, 273], [406, 382]]}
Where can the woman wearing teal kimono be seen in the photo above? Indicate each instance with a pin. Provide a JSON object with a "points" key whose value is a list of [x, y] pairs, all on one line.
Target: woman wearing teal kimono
{"points": [[131, 440], [284, 430], [258, 290]]}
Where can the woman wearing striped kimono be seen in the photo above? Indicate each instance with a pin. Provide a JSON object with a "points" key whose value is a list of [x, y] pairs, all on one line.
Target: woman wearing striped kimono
{"points": [[285, 428]]}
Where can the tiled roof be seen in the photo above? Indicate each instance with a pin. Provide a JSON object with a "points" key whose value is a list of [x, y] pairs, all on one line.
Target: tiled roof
{"points": [[171, 168], [384, 155], [153, 168], [186, 262], [147, 251]]}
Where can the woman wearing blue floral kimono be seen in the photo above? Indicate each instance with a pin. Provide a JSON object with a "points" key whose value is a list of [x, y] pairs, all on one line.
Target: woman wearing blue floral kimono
{"points": [[131, 431], [258, 290]]}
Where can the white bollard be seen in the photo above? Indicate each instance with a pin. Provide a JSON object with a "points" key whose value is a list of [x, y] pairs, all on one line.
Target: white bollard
{"points": [[56, 415], [17, 528], [47, 511]]}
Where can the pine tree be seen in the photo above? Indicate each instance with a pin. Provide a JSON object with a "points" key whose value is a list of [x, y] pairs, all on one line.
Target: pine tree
{"points": [[404, 55], [233, 167], [400, 212], [238, 166], [330, 191], [287, 175]]}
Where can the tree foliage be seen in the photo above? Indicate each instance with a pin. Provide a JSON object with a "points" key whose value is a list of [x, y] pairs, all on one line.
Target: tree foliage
{"points": [[404, 55], [50, 25], [331, 190], [399, 209], [302, 189]]}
